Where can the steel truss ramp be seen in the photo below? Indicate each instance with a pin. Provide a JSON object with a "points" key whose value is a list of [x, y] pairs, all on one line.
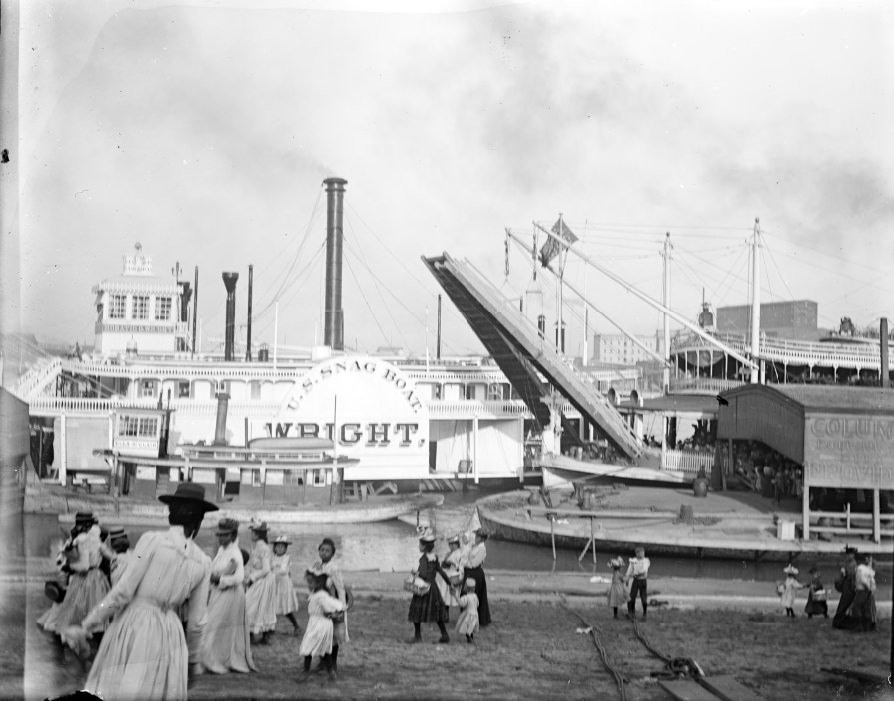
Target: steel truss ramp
{"points": [[515, 344]]}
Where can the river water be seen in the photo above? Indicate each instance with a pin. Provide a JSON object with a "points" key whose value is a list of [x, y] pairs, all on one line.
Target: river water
{"points": [[393, 546]]}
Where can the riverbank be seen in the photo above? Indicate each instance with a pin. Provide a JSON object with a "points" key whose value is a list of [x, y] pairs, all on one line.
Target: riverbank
{"points": [[670, 522], [533, 651], [126, 511]]}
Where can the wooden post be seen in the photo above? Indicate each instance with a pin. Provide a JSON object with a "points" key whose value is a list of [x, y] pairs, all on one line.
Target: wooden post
{"points": [[552, 532], [805, 508], [593, 539], [304, 497], [876, 516], [263, 471], [847, 516]]}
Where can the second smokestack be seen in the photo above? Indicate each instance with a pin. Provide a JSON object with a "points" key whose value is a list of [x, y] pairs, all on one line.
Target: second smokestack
{"points": [[229, 280], [334, 320]]}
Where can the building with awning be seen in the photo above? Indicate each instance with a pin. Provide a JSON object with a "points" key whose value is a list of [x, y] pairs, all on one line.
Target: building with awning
{"points": [[843, 437]]}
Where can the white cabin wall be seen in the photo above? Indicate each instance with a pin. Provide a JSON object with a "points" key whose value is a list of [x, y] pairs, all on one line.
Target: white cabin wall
{"points": [[500, 447]]}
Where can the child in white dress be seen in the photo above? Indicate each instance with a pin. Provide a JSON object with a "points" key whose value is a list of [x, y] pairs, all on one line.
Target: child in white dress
{"points": [[468, 604], [788, 588], [286, 600], [317, 640]]}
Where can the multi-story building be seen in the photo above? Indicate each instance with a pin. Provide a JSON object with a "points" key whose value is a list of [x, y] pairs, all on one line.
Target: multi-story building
{"points": [[618, 349], [795, 320]]}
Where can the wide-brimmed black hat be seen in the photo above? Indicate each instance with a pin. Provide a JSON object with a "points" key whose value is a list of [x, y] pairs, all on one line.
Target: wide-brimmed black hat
{"points": [[117, 533], [227, 526], [189, 493], [85, 517]]}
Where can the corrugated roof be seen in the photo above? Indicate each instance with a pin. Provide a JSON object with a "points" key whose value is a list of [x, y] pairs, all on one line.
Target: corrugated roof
{"points": [[829, 397]]}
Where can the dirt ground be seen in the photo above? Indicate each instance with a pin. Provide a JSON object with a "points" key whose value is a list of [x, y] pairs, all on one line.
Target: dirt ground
{"points": [[533, 651]]}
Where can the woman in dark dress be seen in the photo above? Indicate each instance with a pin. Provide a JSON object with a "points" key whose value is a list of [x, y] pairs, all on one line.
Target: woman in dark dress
{"points": [[429, 607], [474, 562]]}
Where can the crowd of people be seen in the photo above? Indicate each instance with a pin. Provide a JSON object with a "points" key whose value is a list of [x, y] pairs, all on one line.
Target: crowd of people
{"points": [[855, 581], [153, 617]]}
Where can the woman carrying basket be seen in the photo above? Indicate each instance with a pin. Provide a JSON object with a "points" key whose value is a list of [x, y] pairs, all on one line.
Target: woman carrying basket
{"points": [[427, 605]]}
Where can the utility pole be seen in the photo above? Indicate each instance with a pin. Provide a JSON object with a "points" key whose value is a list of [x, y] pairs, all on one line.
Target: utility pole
{"points": [[665, 300], [560, 332], [755, 300]]}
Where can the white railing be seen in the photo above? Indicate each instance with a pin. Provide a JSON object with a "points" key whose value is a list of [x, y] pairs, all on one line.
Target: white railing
{"points": [[37, 378], [687, 461], [793, 352], [462, 409], [52, 406], [703, 384]]}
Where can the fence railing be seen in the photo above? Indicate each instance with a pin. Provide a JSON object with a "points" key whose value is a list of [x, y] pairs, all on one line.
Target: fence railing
{"points": [[687, 461]]}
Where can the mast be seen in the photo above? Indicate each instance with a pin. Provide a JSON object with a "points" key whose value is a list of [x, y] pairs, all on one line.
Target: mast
{"points": [[755, 300], [666, 300]]}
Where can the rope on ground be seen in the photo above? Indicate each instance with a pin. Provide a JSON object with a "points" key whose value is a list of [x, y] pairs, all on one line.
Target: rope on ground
{"points": [[674, 667], [593, 631]]}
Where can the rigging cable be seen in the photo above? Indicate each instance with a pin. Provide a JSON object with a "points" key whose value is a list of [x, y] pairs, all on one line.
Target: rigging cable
{"points": [[366, 301]]}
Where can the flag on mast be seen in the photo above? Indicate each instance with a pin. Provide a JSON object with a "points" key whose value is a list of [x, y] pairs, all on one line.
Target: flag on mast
{"points": [[552, 247]]}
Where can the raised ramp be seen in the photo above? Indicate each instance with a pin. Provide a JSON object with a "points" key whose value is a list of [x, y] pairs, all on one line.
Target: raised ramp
{"points": [[514, 343]]}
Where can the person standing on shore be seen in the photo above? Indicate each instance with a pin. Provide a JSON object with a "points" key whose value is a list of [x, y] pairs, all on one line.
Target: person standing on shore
{"points": [[260, 598], [286, 600], [638, 574], [120, 544], [474, 561], [144, 653], [863, 610], [226, 645], [789, 588], [816, 596], [336, 587], [846, 583], [318, 640], [468, 620], [428, 607], [453, 567], [617, 592], [87, 585]]}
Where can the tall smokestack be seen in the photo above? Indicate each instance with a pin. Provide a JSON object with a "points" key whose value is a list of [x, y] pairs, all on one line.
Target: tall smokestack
{"points": [[883, 341], [248, 330], [220, 426], [229, 280], [334, 320], [195, 309]]}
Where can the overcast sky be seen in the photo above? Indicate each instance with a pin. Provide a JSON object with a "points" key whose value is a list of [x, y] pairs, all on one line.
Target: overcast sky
{"points": [[203, 130]]}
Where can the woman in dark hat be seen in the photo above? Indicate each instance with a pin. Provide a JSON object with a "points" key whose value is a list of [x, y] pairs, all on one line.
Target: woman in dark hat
{"points": [[846, 583], [144, 653], [225, 640], [87, 585], [474, 562], [260, 598], [429, 607], [120, 544]]}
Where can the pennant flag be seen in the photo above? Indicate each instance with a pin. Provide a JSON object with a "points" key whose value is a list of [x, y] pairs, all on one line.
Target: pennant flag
{"points": [[552, 248]]}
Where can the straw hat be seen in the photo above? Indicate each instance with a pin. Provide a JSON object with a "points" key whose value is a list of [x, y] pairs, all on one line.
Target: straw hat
{"points": [[616, 562], [281, 540], [188, 493], [790, 569], [260, 527], [426, 536], [227, 526], [85, 518], [453, 540]]}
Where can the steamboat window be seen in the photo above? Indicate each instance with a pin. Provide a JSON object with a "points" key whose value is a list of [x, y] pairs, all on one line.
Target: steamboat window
{"points": [[141, 307], [117, 306], [138, 426], [147, 388], [163, 308], [183, 390]]}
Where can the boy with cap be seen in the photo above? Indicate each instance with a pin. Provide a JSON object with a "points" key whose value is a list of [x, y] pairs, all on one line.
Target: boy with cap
{"points": [[638, 573]]}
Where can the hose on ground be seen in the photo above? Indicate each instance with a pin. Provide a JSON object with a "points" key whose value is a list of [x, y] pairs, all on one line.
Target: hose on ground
{"points": [[594, 632]]}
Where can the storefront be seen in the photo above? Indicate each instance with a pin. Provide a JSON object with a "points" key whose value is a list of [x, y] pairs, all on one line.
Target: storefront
{"points": [[843, 437]]}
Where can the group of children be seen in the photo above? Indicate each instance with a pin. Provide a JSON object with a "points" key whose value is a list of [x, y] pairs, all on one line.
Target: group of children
{"points": [[637, 575]]}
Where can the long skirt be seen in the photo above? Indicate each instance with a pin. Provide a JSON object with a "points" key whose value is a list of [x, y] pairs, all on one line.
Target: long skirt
{"points": [[143, 655], [260, 603], [477, 573], [318, 637], [863, 611], [428, 608], [225, 641], [286, 599], [85, 590]]}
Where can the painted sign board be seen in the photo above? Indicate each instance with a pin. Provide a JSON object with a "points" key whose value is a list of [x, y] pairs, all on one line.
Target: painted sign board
{"points": [[849, 451], [369, 408]]}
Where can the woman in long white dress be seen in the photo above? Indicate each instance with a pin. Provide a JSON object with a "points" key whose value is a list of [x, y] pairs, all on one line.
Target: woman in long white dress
{"points": [[260, 598], [87, 584], [144, 653], [225, 642]]}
